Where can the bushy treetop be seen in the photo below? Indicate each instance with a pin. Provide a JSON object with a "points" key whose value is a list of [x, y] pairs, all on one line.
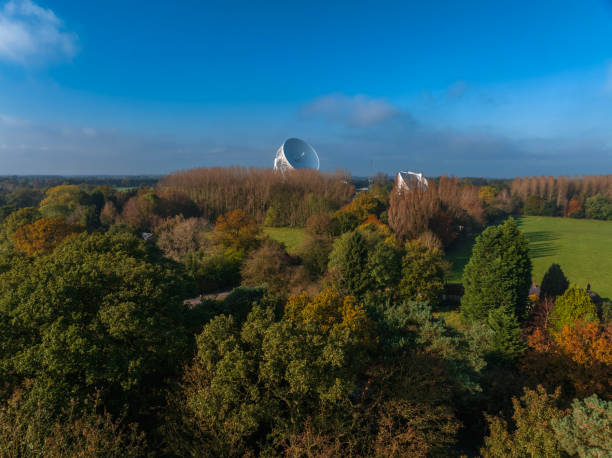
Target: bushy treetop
{"points": [[574, 304], [102, 312]]}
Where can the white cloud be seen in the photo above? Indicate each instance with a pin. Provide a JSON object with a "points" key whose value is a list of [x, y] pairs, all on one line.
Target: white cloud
{"points": [[356, 111], [30, 34]]}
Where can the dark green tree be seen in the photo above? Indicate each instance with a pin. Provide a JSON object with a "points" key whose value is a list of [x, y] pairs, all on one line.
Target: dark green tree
{"points": [[498, 273], [270, 385], [385, 265], [101, 314], [506, 343], [314, 253], [554, 282], [423, 271], [349, 259]]}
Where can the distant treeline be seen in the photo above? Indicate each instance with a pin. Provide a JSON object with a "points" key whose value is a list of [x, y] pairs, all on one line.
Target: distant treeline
{"points": [[47, 181], [287, 199], [564, 195]]}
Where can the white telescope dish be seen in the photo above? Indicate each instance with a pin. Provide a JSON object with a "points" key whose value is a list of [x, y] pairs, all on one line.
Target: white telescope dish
{"points": [[296, 154], [410, 180]]}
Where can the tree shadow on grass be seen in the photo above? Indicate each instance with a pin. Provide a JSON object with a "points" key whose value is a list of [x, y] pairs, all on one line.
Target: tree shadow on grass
{"points": [[541, 243]]}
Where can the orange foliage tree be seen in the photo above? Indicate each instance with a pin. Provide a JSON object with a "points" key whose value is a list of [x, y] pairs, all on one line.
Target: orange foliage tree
{"points": [[43, 235], [579, 358], [575, 208], [236, 230]]}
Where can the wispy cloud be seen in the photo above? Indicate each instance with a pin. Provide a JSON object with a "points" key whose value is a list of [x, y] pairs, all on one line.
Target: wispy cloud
{"points": [[457, 89], [352, 111], [31, 34]]}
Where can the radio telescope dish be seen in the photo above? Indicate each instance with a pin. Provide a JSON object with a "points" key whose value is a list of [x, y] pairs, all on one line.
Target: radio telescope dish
{"points": [[406, 181], [296, 154]]}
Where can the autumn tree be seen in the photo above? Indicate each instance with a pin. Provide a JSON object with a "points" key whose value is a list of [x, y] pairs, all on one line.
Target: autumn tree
{"points": [[554, 282], [487, 194], [140, 211], [358, 210], [236, 231], [498, 273], [13, 222], [411, 211], [329, 310], [43, 235], [295, 195], [578, 358], [575, 209], [109, 214], [178, 236]]}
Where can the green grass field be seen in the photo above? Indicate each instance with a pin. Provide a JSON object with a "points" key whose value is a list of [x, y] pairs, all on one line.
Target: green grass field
{"points": [[582, 247], [292, 237]]}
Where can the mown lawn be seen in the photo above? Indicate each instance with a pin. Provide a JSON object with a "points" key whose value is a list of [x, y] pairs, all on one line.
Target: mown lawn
{"points": [[292, 237], [582, 247]]}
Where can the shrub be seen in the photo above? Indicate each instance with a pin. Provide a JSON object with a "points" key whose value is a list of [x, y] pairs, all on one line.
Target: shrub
{"points": [[574, 304]]}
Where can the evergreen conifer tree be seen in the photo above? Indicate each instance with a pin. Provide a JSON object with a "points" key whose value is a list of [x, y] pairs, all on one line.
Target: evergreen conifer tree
{"points": [[506, 343], [353, 265], [498, 273]]}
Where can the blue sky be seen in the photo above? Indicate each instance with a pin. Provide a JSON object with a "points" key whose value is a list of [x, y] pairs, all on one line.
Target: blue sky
{"points": [[467, 88]]}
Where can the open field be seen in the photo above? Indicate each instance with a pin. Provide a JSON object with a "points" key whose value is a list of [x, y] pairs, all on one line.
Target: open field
{"points": [[582, 247], [292, 237]]}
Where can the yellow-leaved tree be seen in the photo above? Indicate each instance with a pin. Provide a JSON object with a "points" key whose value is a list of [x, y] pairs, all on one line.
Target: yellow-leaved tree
{"points": [[328, 311]]}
